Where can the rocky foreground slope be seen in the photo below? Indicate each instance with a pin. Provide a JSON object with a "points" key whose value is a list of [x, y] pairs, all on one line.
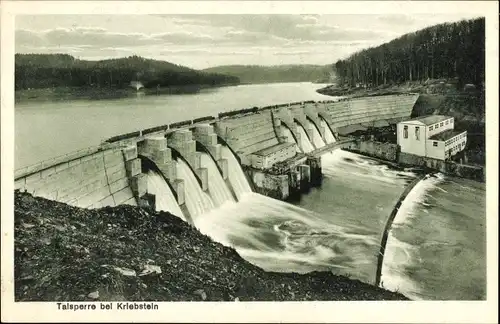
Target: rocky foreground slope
{"points": [[65, 253]]}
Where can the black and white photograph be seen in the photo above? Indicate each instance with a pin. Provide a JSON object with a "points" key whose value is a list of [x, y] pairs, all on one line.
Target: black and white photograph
{"points": [[263, 156]]}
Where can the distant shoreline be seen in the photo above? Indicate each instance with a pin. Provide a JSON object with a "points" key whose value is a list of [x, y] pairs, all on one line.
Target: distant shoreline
{"points": [[96, 93]]}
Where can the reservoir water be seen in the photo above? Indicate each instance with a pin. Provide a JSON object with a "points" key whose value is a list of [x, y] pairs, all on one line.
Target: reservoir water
{"points": [[436, 248]]}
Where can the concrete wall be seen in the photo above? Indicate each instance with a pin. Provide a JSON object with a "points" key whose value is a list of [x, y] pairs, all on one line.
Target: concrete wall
{"points": [[447, 167], [183, 141], [248, 134], [271, 185], [100, 179], [384, 151], [155, 148], [369, 110], [206, 136]]}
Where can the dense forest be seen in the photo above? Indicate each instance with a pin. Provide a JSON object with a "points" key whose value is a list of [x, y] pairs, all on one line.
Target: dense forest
{"points": [[449, 50], [270, 74], [62, 70]]}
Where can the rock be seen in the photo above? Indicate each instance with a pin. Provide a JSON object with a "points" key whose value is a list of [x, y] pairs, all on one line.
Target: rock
{"points": [[27, 225], [124, 271], [201, 293], [94, 295], [150, 268], [237, 299]]}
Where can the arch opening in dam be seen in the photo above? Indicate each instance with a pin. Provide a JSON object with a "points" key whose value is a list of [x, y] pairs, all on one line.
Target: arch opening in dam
{"points": [[218, 189], [161, 194], [329, 136], [290, 137], [197, 201], [317, 139], [305, 141]]}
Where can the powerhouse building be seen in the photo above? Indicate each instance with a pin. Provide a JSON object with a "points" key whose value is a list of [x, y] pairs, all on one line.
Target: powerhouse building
{"points": [[431, 136]]}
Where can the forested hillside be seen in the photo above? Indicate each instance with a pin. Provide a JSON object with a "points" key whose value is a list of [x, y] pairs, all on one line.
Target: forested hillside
{"points": [[449, 50], [270, 74], [62, 70]]}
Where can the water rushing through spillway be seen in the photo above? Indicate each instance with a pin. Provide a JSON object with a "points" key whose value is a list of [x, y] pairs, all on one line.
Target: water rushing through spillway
{"points": [[317, 139], [165, 199], [236, 176], [329, 138], [305, 144], [198, 202], [217, 187]]}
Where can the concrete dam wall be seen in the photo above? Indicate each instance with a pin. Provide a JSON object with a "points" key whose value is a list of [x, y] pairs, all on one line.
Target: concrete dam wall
{"points": [[96, 178], [374, 111], [115, 173]]}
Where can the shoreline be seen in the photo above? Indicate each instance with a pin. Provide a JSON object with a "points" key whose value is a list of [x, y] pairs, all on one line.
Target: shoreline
{"points": [[388, 226], [87, 93]]}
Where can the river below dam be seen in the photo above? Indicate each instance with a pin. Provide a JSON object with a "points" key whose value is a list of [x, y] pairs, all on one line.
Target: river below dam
{"points": [[436, 248]]}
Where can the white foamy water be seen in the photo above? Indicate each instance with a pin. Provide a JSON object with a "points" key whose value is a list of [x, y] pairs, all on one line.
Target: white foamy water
{"points": [[278, 236], [236, 176], [164, 198], [328, 133], [398, 254], [219, 191], [198, 202], [305, 144], [340, 161], [317, 139]]}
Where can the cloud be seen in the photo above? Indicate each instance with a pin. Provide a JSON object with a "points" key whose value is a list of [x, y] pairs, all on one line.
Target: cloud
{"points": [[184, 37]]}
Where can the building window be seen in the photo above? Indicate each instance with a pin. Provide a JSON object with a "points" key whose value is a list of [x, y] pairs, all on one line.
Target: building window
{"points": [[405, 132], [431, 128], [434, 143], [446, 122], [436, 126], [441, 124], [417, 133]]}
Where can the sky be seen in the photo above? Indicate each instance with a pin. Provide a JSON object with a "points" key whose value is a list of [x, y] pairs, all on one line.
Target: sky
{"points": [[201, 41]]}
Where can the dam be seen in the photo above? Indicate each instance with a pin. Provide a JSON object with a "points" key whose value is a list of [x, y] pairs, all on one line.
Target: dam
{"points": [[220, 171], [278, 148]]}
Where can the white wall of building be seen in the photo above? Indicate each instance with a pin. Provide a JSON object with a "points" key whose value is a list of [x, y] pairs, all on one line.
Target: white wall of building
{"points": [[435, 149], [456, 144], [413, 140], [440, 127]]}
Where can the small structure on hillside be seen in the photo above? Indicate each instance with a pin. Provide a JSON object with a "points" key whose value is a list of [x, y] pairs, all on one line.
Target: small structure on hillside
{"points": [[137, 85], [431, 136]]}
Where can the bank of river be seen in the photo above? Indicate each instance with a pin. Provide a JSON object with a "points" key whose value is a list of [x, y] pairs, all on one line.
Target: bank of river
{"points": [[65, 253], [96, 93]]}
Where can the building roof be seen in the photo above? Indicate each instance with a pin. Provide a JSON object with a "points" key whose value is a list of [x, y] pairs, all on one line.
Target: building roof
{"points": [[430, 120], [446, 135], [273, 149]]}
